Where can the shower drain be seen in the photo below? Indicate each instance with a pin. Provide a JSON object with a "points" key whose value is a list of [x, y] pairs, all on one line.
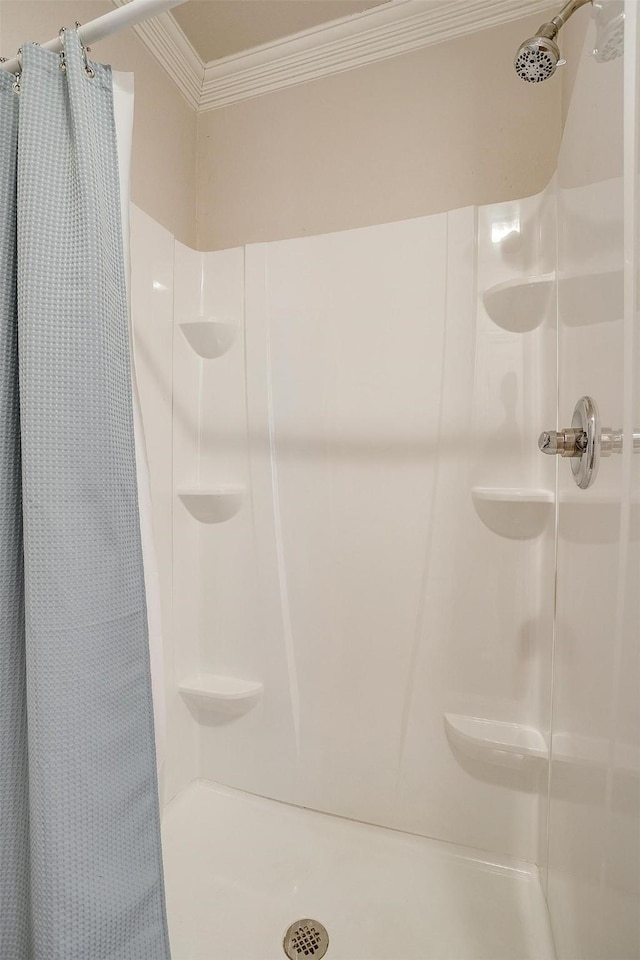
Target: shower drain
{"points": [[306, 938]]}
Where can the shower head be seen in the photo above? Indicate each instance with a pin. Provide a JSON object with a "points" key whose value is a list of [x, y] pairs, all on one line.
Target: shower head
{"points": [[538, 57]]}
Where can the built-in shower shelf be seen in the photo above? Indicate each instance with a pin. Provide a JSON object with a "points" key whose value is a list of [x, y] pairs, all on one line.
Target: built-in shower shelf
{"points": [[520, 305], [226, 696], [583, 298], [209, 338], [518, 513], [495, 741], [212, 505]]}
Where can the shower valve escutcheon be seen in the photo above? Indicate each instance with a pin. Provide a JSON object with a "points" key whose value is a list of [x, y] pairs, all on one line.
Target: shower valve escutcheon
{"points": [[585, 442]]}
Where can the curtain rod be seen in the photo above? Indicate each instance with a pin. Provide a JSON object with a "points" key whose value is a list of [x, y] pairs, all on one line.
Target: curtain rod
{"points": [[109, 23]]}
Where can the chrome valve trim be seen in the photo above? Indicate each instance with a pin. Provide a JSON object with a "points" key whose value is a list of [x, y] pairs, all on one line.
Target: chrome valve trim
{"points": [[585, 442]]}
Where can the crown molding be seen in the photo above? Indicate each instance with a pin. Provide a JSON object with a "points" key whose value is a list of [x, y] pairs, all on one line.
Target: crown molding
{"points": [[173, 50], [396, 27]]}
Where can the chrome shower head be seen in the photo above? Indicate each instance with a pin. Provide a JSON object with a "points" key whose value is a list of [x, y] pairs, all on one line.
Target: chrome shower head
{"points": [[538, 57]]}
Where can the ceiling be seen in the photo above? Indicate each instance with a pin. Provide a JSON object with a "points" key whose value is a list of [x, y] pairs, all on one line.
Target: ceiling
{"points": [[220, 28]]}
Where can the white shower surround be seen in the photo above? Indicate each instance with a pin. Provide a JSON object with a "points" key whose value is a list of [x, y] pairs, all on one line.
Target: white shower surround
{"points": [[348, 583], [338, 583], [382, 894]]}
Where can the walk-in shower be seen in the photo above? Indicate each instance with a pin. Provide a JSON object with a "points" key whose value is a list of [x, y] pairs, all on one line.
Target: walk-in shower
{"points": [[388, 639]]}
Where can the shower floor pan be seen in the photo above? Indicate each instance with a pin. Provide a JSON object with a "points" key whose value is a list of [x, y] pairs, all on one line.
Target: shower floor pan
{"points": [[240, 869]]}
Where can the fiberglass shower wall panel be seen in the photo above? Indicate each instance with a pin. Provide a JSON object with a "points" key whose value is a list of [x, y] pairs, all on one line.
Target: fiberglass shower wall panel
{"points": [[355, 327], [493, 532], [187, 373], [512, 485], [594, 855], [152, 272], [359, 361], [469, 658], [239, 635]]}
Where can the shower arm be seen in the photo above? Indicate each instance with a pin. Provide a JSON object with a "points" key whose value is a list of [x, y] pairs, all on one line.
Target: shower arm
{"points": [[550, 30]]}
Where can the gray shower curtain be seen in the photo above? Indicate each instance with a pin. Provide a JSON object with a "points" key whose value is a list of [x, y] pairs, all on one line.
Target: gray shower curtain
{"points": [[80, 856]]}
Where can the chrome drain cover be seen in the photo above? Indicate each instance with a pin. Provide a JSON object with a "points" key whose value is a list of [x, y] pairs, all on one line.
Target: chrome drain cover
{"points": [[306, 938]]}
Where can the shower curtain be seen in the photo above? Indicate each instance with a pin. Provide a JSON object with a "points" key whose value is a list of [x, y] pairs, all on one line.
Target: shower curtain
{"points": [[80, 856]]}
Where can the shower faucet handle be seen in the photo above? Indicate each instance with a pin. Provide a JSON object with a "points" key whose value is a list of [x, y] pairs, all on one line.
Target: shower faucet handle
{"points": [[563, 443], [580, 442], [585, 442]]}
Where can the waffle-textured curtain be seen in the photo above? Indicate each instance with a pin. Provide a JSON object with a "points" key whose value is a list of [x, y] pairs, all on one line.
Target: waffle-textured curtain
{"points": [[80, 856]]}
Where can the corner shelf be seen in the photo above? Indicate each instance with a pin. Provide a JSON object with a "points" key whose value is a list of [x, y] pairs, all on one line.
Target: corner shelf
{"points": [[208, 337], [495, 741], [516, 745], [212, 505], [517, 513], [520, 305], [226, 696]]}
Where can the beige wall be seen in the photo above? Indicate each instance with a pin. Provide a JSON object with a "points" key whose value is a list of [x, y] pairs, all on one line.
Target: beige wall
{"points": [[429, 131], [164, 142]]}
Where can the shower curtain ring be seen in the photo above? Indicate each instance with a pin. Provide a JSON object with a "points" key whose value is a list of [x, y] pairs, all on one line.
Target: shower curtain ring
{"points": [[63, 59], [17, 76], [88, 69]]}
